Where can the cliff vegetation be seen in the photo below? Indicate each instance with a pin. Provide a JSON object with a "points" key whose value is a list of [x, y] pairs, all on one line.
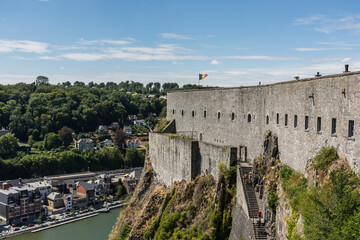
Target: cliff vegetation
{"points": [[199, 209], [323, 205]]}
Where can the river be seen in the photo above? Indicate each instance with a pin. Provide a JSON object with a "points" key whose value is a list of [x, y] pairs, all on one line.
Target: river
{"points": [[94, 228]]}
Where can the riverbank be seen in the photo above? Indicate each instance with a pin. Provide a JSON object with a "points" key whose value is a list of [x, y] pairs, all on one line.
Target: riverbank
{"points": [[53, 224]]}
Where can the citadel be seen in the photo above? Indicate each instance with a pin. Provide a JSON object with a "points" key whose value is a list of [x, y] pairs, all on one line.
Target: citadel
{"points": [[229, 124]]}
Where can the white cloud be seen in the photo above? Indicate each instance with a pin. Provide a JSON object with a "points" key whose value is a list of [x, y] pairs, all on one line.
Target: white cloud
{"points": [[326, 24], [346, 60], [321, 49], [214, 62], [271, 58], [175, 36], [23, 46], [163, 52]]}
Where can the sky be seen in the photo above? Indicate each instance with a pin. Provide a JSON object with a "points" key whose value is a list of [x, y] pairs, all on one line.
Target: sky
{"points": [[237, 43]]}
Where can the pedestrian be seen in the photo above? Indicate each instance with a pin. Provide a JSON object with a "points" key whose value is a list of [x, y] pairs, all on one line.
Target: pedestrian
{"points": [[259, 214], [245, 178], [258, 222], [250, 177]]}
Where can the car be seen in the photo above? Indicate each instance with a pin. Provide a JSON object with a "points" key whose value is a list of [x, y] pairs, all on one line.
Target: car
{"points": [[30, 225], [23, 227]]}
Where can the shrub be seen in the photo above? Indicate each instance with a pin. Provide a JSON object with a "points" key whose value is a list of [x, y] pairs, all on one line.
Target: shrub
{"points": [[273, 200], [124, 232], [325, 157]]}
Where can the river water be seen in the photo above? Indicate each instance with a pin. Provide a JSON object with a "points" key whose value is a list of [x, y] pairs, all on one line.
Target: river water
{"points": [[94, 228]]}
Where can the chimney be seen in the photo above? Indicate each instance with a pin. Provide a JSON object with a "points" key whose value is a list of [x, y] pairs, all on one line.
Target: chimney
{"points": [[296, 77], [346, 68], [259, 83], [318, 74]]}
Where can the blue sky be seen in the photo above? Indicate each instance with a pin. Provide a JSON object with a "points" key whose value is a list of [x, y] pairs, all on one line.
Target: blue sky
{"points": [[235, 42]]}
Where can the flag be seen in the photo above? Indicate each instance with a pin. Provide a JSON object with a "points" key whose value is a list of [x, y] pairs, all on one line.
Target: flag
{"points": [[202, 76]]}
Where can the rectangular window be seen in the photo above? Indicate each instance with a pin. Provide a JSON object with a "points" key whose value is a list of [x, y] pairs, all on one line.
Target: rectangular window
{"points": [[333, 126], [295, 121], [351, 128], [219, 115], [204, 114], [267, 119], [232, 116], [193, 113], [318, 128], [277, 118], [286, 119], [306, 122]]}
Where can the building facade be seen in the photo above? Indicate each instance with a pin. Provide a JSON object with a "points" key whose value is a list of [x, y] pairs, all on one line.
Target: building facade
{"points": [[20, 203]]}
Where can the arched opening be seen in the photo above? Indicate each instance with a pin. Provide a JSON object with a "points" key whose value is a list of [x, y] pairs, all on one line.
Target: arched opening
{"points": [[249, 117]]}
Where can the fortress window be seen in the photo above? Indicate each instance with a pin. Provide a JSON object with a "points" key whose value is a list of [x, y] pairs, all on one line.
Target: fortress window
{"points": [[295, 121], [286, 119], [306, 122], [204, 114], [351, 128], [173, 111], [333, 126], [249, 117], [232, 116], [318, 128], [193, 113], [277, 118], [182, 112], [267, 119], [219, 115]]}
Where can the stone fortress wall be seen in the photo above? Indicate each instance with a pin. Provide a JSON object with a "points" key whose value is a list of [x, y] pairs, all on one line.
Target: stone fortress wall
{"points": [[175, 159], [240, 116]]}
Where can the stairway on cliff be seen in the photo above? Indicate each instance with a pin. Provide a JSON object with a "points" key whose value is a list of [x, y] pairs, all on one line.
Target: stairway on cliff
{"points": [[252, 204]]}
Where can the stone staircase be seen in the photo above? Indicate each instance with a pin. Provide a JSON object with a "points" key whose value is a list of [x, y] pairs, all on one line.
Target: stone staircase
{"points": [[252, 204]]}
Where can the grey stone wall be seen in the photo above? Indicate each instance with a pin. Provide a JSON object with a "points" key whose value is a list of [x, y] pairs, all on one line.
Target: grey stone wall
{"points": [[241, 227], [228, 110], [212, 154], [175, 159], [171, 157]]}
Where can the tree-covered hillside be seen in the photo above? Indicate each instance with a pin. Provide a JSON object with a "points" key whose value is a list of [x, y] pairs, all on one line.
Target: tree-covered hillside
{"points": [[39, 108]]}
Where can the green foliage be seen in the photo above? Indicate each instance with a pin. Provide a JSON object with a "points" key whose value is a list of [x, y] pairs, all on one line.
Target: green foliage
{"points": [[39, 220], [273, 200], [65, 135], [59, 162], [124, 232], [221, 167], [325, 158], [51, 141], [8, 146], [330, 211], [150, 232], [294, 185], [120, 190], [291, 224], [135, 157]]}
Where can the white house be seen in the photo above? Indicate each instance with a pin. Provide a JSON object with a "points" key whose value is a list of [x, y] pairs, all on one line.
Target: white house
{"points": [[44, 188], [127, 130], [140, 122], [107, 143], [68, 201], [132, 143]]}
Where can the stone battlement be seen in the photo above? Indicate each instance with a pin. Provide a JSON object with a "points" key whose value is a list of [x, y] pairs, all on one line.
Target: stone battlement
{"points": [[306, 115]]}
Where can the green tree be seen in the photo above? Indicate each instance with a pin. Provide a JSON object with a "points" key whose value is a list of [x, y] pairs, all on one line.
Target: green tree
{"points": [[65, 134], [134, 158], [41, 80], [119, 139], [8, 146], [52, 140]]}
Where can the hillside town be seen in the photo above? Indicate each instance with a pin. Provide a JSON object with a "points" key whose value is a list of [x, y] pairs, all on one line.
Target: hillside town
{"points": [[26, 202]]}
